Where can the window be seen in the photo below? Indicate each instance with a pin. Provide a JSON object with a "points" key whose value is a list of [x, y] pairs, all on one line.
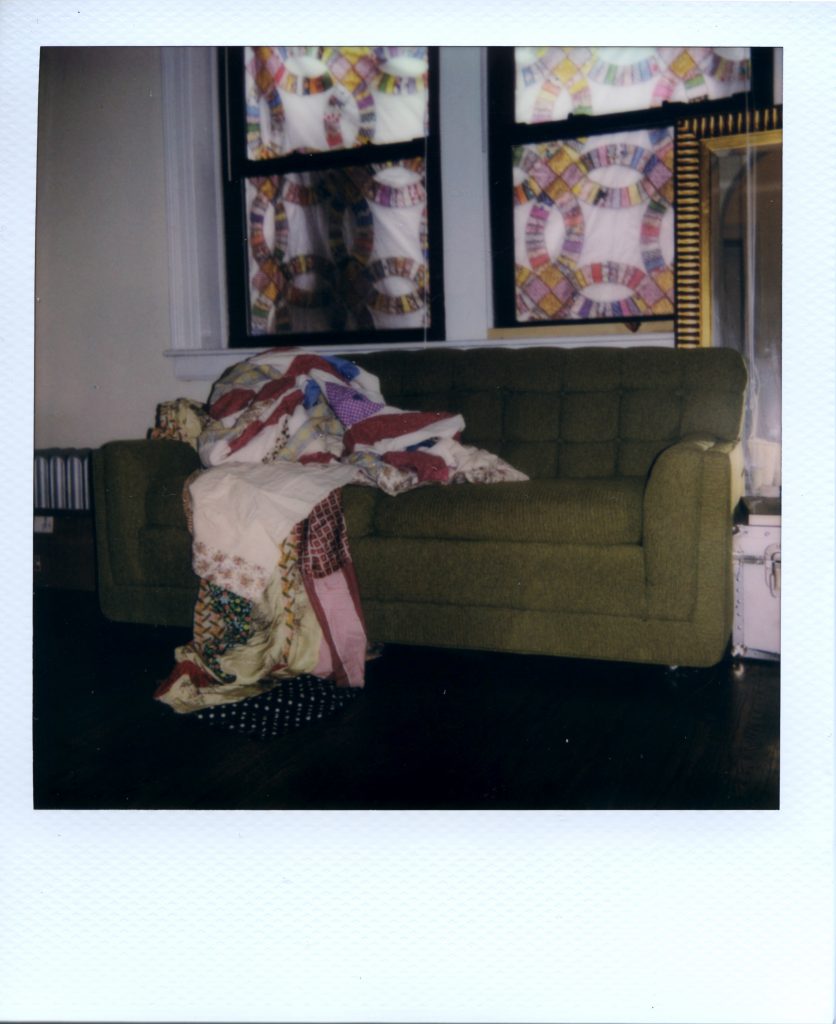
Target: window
{"points": [[332, 194], [582, 172]]}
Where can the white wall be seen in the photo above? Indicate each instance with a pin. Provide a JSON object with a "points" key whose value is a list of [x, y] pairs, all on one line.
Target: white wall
{"points": [[464, 208], [102, 298]]}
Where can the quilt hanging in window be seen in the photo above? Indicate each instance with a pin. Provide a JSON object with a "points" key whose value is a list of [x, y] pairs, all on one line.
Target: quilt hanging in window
{"points": [[344, 248], [555, 81], [593, 216], [593, 227]]}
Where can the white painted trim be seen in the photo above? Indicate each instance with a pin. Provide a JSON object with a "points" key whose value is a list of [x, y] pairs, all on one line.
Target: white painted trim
{"points": [[209, 364], [194, 207], [464, 189]]}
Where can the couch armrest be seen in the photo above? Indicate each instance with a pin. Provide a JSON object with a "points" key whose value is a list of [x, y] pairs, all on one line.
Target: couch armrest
{"points": [[124, 472], [690, 496]]}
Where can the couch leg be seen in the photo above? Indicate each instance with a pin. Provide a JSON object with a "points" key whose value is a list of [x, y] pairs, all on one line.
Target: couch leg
{"points": [[679, 673]]}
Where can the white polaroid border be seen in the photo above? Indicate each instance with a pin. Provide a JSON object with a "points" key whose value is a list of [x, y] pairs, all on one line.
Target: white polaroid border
{"points": [[704, 916]]}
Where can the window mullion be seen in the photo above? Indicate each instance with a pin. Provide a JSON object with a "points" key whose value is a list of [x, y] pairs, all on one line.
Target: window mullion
{"points": [[500, 124], [581, 125], [295, 163]]}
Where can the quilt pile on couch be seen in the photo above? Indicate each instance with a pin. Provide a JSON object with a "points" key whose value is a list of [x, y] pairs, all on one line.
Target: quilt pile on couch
{"points": [[282, 433]]}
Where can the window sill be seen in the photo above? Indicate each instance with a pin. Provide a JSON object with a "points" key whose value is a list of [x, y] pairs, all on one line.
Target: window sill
{"points": [[209, 364], [653, 332]]}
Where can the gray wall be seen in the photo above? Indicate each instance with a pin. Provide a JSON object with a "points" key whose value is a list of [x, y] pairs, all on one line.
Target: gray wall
{"points": [[102, 300]]}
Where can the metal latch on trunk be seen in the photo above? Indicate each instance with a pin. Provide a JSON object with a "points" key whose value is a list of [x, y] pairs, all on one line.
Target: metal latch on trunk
{"points": [[772, 568]]}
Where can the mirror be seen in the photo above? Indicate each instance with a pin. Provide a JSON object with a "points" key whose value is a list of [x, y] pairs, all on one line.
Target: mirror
{"points": [[728, 263]]}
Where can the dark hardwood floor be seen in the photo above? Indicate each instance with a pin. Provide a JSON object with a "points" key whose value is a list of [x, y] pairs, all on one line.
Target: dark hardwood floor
{"points": [[432, 730]]}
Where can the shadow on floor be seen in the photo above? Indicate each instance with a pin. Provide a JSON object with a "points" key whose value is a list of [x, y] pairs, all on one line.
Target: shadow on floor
{"points": [[432, 729]]}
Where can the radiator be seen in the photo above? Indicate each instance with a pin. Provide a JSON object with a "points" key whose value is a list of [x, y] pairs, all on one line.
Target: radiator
{"points": [[62, 478]]}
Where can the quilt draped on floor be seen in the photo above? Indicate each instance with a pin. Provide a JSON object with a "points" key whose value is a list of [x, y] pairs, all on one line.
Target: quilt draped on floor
{"points": [[282, 433]]}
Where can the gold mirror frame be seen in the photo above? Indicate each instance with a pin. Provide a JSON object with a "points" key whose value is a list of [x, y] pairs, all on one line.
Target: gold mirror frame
{"points": [[696, 140]]}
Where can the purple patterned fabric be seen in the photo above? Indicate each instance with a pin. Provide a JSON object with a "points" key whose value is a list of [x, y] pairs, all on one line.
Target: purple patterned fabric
{"points": [[350, 406]]}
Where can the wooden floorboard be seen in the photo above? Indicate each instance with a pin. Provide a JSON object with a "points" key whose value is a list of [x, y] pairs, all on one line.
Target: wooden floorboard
{"points": [[432, 729]]}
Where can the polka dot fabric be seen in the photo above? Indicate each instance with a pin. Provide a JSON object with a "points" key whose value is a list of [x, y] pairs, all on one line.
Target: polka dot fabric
{"points": [[292, 705]]}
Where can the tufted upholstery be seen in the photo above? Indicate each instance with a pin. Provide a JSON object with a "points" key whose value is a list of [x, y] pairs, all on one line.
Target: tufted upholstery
{"points": [[572, 412], [618, 547]]}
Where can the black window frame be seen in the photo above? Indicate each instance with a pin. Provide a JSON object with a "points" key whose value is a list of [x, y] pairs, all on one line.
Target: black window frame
{"points": [[237, 168], [504, 133]]}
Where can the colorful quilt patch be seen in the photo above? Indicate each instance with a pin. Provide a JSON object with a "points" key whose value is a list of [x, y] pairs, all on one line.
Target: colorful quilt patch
{"points": [[593, 227], [350, 406]]}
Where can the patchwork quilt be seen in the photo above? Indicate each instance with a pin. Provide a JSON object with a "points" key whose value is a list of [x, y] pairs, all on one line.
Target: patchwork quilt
{"points": [[281, 434]]}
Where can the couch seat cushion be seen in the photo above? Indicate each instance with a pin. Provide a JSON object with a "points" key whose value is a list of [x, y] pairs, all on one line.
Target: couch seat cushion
{"points": [[579, 578], [544, 511]]}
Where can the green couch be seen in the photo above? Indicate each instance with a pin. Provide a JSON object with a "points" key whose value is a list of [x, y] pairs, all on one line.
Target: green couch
{"points": [[618, 547]]}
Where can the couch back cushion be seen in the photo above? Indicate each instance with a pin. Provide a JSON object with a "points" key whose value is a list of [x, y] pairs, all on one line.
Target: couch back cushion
{"points": [[575, 413]]}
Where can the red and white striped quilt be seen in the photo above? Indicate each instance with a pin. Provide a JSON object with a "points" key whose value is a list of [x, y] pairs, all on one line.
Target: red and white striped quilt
{"points": [[285, 430]]}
